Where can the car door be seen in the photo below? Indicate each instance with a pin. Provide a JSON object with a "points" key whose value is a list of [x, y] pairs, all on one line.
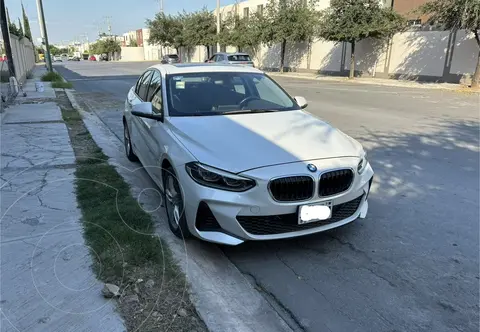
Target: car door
{"points": [[150, 126], [139, 96], [156, 134]]}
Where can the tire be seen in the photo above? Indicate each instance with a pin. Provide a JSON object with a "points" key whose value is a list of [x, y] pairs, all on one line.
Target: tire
{"points": [[127, 142], [174, 206]]}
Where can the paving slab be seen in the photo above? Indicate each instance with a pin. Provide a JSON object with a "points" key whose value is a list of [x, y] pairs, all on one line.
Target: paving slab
{"points": [[33, 113], [33, 144]]}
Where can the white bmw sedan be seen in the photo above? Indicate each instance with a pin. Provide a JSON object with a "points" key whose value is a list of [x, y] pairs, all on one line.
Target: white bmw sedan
{"points": [[238, 159]]}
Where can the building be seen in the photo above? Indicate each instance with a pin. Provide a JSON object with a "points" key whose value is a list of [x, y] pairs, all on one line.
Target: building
{"points": [[407, 8]]}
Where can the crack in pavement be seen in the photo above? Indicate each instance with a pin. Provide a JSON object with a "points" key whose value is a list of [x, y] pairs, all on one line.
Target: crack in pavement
{"points": [[271, 297]]}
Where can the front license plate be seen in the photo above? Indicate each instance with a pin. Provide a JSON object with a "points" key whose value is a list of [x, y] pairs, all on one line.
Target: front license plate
{"points": [[314, 212]]}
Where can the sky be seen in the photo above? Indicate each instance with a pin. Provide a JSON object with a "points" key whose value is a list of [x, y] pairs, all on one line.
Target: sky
{"points": [[69, 20]]}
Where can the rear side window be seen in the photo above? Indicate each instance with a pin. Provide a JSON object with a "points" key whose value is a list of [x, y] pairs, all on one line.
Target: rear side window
{"points": [[142, 86], [173, 56], [239, 57]]}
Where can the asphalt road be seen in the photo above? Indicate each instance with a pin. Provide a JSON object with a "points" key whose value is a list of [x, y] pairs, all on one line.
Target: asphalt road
{"points": [[413, 264]]}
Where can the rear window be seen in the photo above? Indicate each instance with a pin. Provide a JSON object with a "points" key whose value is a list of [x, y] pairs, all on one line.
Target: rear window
{"points": [[239, 57], [173, 56]]}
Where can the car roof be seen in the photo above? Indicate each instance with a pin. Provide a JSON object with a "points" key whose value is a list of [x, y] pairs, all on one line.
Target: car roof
{"points": [[184, 68], [234, 53]]}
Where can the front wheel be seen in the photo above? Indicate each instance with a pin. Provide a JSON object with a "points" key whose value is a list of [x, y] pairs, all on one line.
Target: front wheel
{"points": [[174, 205], [127, 141]]}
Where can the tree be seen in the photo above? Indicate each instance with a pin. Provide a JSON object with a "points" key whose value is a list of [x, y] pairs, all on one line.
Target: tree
{"points": [[54, 50], [354, 20], [26, 24], [242, 32], [167, 30], [20, 28], [107, 46], [133, 43], [200, 29], [457, 14], [12, 27], [288, 21]]}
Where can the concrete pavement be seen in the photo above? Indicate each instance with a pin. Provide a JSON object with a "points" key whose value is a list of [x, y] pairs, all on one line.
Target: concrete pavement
{"points": [[46, 280], [412, 265]]}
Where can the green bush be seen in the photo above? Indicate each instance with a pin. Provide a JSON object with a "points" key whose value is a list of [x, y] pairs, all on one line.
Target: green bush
{"points": [[62, 85], [51, 77]]}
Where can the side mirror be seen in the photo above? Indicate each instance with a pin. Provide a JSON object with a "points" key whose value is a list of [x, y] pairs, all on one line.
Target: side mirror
{"points": [[145, 110], [301, 101]]}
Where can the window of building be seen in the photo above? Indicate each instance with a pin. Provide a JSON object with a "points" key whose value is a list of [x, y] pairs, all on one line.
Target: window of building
{"points": [[415, 22], [260, 9]]}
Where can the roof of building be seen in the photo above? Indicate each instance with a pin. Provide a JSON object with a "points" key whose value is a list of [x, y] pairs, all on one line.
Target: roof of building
{"points": [[183, 68]]}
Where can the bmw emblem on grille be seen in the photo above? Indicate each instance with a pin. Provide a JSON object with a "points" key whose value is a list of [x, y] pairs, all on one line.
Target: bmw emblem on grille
{"points": [[312, 168]]}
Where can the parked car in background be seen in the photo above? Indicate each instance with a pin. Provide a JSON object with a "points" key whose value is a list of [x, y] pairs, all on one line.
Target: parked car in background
{"points": [[103, 57], [170, 58], [92, 58], [57, 58], [232, 59], [239, 159]]}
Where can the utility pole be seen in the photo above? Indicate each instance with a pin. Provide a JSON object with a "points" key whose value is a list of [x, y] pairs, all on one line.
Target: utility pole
{"points": [[161, 6], [109, 26], [43, 29], [218, 24], [6, 38]]}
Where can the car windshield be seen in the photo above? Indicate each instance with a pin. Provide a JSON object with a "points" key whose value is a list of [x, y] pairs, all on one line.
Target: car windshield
{"points": [[217, 93], [239, 57]]}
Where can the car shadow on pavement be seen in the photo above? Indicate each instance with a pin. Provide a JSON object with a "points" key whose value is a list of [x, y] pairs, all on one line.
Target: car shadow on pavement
{"points": [[411, 265]]}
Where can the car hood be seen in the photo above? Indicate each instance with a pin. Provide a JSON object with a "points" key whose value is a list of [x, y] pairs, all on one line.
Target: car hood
{"points": [[241, 142]]}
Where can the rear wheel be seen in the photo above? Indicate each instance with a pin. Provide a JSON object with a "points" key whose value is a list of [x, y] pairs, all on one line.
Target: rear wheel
{"points": [[174, 205], [127, 141]]}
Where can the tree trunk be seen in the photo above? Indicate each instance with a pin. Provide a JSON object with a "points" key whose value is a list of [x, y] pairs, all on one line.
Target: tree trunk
{"points": [[352, 61], [282, 55], [476, 75]]}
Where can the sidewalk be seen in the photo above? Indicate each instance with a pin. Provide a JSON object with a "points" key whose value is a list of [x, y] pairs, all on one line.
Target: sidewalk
{"points": [[374, 81], [46, 280]]}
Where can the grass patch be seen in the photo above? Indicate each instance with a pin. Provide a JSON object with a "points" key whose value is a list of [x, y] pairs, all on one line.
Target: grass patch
{"points": [[52, 77], [62, 85], [123, 243]]}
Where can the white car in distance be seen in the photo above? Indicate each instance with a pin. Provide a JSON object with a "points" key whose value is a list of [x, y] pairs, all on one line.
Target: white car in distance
{"points": [[238, 159]]}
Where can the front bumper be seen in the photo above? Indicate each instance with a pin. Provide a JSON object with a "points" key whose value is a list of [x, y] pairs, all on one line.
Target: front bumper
{"points": [[257, 204]]}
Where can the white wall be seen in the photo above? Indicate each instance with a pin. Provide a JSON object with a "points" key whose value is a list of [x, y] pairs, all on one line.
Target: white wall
{"points": [[23, 56], [326, 56], [409, 54], [465, 54], [419, 53], [132, 54]]}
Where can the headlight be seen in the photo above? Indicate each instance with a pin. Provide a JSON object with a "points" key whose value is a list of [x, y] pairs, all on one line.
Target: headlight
{"points": [[362, 164], [218, 179]]}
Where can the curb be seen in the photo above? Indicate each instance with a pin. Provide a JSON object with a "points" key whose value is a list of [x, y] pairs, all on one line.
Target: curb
{"points": [[372, 82], [224, 298]]}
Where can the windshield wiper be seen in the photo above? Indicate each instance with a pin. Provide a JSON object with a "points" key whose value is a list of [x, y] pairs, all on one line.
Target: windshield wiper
{"points": [[248, 111]]}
